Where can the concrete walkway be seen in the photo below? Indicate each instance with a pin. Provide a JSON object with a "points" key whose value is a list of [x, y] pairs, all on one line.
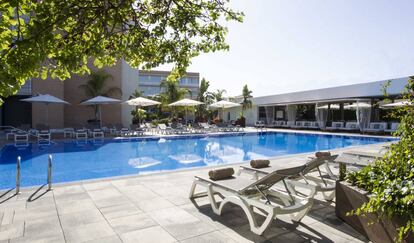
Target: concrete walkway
{"points": [[152, 208]]}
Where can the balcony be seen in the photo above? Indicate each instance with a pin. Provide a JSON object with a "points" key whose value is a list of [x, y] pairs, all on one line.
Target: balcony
{"points": [[26, 89]]}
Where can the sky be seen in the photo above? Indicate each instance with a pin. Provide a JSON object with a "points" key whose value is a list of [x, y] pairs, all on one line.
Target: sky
{"points": [[294, 45]]}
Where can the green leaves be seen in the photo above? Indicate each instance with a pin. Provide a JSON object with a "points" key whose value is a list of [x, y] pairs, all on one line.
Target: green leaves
{"points": [[391, 179], [56, 38]]}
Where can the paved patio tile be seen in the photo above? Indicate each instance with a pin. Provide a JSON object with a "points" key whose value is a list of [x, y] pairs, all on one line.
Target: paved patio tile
{"points": [[154, 234], [80, 218], [36, 213], [111, 201], [72, 196], [131, 223], [88, 232], [152, 204], [110, 239], [11, 231], [216, 237], [46, 228], [97, 185], [7, 217], [180, 223], [120, 210], [65, 207]]}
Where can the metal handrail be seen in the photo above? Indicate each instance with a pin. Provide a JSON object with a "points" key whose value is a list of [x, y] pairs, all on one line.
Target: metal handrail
{"points": [[18, 175], [49, 173], [28, 133]]}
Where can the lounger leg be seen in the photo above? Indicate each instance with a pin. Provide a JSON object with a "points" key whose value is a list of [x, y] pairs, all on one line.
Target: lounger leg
{"points": [[192, 191], [248, 210], [328, 196]]}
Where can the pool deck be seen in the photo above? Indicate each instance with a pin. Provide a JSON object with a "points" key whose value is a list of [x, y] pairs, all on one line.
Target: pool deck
{"points": [[153, 208]]}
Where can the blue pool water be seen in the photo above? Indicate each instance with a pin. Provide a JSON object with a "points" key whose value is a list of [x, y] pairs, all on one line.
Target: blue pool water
{"points": [[74, 161]]}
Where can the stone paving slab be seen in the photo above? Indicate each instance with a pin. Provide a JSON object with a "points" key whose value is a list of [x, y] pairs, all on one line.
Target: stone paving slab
{"points": [[153, 208]]}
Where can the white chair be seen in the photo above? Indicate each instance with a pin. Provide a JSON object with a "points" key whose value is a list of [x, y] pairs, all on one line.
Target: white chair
{"points": [[98, 134], [81, 134], [44, 135], [376, 127], [335, 126], [68, 131], [394, 126], [351, 126], [21, 137]]}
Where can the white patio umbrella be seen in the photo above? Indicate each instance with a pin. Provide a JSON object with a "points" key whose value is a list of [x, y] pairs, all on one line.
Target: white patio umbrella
{"points": [[224, 104], [46, 99], [333, 107], [100, 100], [186, 103], [398, 104], [357, 105], [141, 101]]}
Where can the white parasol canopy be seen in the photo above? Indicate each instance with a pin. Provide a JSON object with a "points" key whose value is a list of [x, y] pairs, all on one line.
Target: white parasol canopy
{"points": [[357, 105], [332, 107], [46, 99], [224, 104], [186, 103], [100, 100], [141, 101], [398, 104]]}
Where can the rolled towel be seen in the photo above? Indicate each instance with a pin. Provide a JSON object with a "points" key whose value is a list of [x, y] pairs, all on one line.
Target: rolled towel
{"points": [[220, 174], [322, 154], [259, 163]]}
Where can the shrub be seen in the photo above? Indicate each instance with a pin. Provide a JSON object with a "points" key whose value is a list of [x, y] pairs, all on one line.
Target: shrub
{"points": [[390, 180]]}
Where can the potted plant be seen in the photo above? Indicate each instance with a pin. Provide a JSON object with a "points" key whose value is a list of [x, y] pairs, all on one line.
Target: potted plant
{"points": [[378, 200]]}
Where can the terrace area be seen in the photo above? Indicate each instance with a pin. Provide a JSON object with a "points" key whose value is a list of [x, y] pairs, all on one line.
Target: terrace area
{"points": [[137, 208]]}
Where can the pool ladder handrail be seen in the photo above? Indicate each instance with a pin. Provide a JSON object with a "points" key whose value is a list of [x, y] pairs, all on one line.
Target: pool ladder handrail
{"points": [[18, 174], [28, 133]]}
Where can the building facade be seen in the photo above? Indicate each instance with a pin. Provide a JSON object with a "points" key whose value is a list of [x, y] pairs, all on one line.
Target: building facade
{"points": [[22, 114], [301, 105], [150, 82]]}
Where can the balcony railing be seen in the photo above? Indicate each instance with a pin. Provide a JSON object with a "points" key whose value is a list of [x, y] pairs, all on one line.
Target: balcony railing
{"points": [[26, 89]]}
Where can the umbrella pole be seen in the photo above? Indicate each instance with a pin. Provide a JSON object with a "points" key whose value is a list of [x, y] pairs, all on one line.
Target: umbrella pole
{"points": [[47, 114], [100, 116]]}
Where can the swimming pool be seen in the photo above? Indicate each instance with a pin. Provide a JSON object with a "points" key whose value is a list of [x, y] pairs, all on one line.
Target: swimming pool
{"points": [[73, 161]]}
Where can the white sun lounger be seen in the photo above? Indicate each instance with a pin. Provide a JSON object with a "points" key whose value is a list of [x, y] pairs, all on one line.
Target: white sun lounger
{"points": [[98, 134], [351, 126], [43, 135], [335, 126], [323, 185], [258, 194], [81, 134], [376, 127], [394, 126]]}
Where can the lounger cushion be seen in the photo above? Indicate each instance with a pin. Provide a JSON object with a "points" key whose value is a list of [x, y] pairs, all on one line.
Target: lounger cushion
{"points": [[322, 154], [259, 163], [220, 174]]}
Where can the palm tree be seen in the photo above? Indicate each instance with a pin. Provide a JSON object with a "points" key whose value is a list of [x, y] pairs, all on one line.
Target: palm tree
{"points": [[246, 102], [137, 93], [172, 91], [218, 95], [96, 86], [204, 96]]}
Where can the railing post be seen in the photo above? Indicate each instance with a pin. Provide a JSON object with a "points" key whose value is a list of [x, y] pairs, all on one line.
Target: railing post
{"points": [[49, 173], [18, 175]]}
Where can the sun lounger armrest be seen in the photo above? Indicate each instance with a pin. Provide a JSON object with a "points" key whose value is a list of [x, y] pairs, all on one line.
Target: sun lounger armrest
{"points": [[311, 188]]}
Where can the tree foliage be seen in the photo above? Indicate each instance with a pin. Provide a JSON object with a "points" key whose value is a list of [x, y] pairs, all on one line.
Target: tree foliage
{"points": [[59, 38], [206, 97], [96, 86], [390, 180], [246, 102], [219, 94]]}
